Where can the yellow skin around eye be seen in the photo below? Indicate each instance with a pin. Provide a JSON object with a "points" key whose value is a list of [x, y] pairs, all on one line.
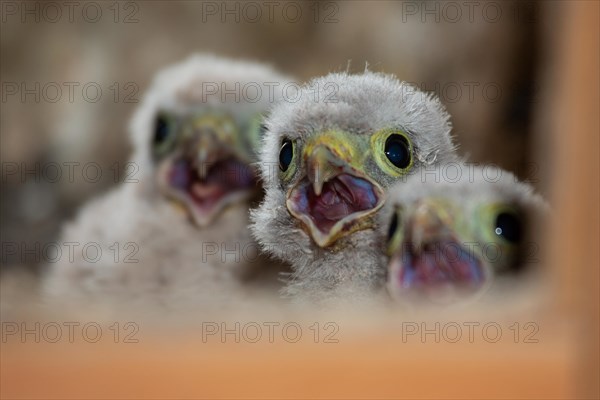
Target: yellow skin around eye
{"points": [[291, 170], [378, 148], [398, 235], [483, 227], [486, 221]]}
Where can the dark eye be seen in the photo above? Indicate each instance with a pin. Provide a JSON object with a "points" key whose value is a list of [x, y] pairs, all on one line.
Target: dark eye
{"points": [[508, 226], [393, 226], [397, 151], [161, 129], [286, 154]]}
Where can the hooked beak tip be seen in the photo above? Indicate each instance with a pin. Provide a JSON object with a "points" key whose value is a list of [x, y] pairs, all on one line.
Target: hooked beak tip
{"points": [[317, 181], [321, 168]]}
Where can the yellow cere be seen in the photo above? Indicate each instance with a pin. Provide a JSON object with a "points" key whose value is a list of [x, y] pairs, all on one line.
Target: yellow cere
{"points": [[224, 127], [342, 144]]}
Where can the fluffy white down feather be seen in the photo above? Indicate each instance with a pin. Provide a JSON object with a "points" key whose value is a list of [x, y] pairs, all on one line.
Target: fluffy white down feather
{"points": [[469, 186], [362, 104], [179, 267]]}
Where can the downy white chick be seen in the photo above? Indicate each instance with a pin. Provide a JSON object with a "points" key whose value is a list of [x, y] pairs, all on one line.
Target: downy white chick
{"points": [[178, 235], [457, 230], [327, 159]]}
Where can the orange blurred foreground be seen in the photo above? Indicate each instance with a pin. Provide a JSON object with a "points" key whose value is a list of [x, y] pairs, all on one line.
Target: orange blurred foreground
{"points": [[356, 367]]}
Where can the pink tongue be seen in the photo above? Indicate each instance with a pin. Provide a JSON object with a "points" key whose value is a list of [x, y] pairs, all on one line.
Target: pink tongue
{"points": [[442, 266], [336, 212], [331, 205], [203, 191], [427, 269]]}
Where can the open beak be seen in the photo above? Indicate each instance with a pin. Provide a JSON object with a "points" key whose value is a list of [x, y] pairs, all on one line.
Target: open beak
{"points": [[431, 263], [207, 176], [333, 199]]}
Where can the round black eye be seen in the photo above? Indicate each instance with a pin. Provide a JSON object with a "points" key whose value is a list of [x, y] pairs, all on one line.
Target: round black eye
{"points": [[393, 226], [397, 151], [286, 154], [508, 226], [161, 129]]}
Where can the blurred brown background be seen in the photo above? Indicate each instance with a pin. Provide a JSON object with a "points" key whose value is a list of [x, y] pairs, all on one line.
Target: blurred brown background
{"points": [[487, 61]]}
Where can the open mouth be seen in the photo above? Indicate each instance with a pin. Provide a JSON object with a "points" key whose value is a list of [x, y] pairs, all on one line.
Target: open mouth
{"points": [[208, 189], [343, 202], [440, 272]]}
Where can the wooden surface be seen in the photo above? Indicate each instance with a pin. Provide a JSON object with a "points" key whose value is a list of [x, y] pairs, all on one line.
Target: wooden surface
{"points": [[576, 238], [380, 366]]}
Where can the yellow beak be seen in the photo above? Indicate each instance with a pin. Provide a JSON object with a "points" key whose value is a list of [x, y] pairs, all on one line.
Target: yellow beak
{"points": [[332, 211]]}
